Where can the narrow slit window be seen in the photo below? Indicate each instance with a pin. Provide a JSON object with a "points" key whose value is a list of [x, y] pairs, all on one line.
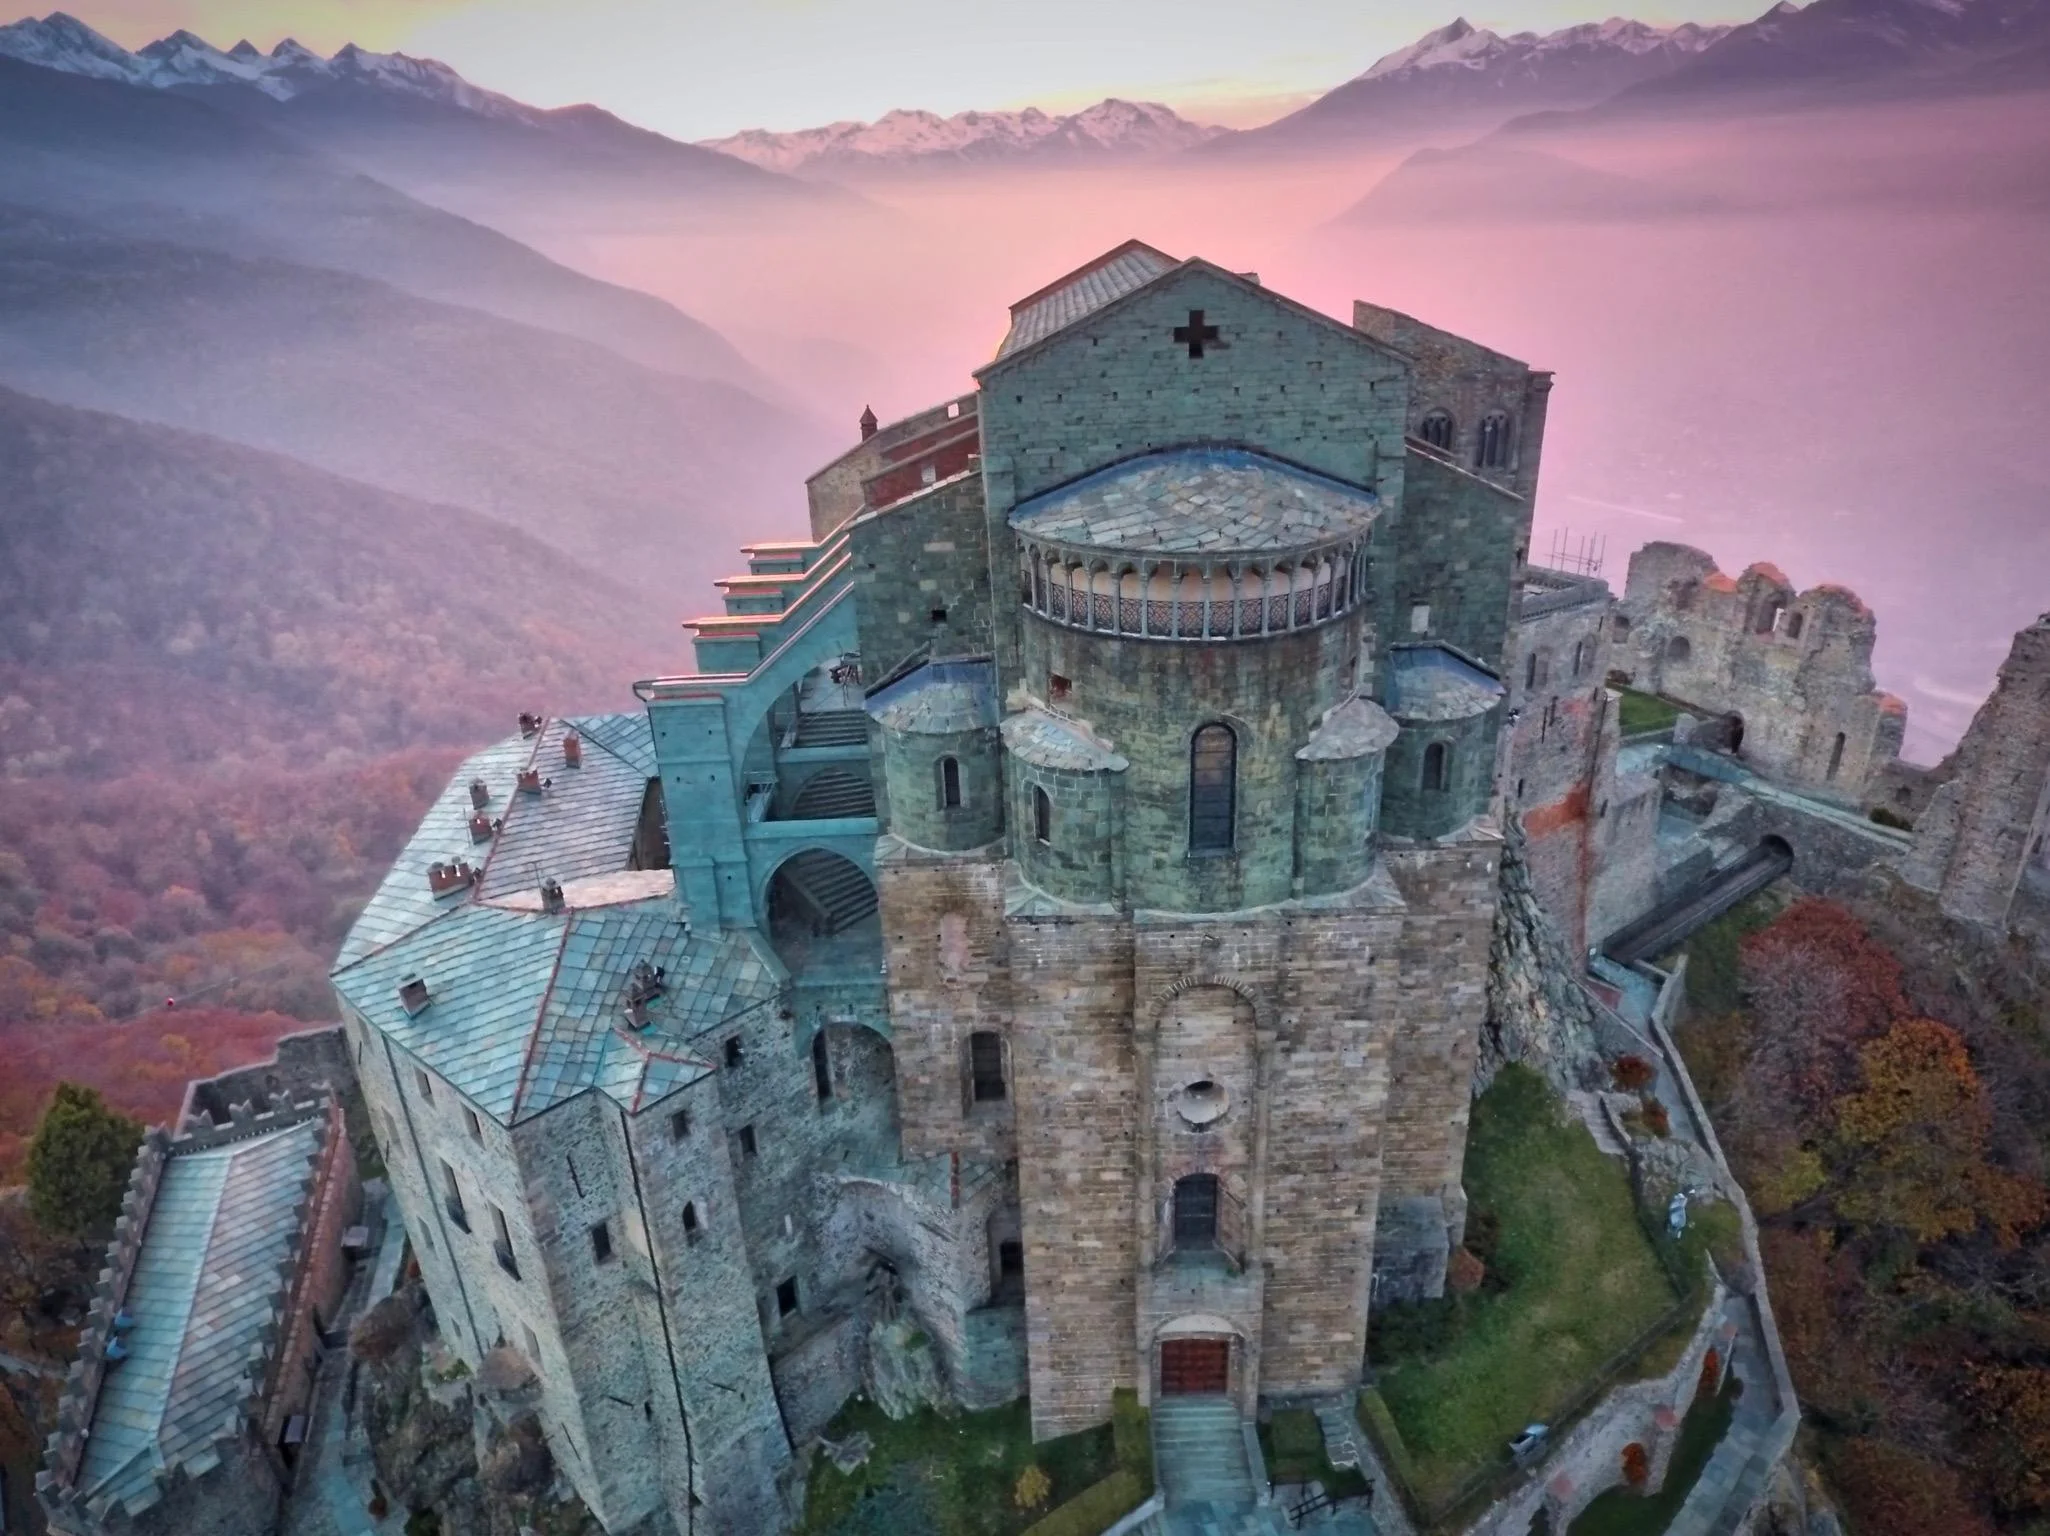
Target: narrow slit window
{"points": [[821, 1067], [986, 1066], [748, 1148], [601, 1242], [1042, 815], [1437, 767], [950, 784], [1213, 787], [690, 1219]]}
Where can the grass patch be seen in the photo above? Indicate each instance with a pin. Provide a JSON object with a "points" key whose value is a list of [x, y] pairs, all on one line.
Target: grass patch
{"points": [[1714, 985], [953, 1475], [1645, 712], [1627, 1512], [1572, 1281], [1293, 1445]]}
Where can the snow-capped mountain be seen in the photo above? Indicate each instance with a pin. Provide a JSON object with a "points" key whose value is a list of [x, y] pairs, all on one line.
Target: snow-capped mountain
{"points": [[1110, 128], [1461, 74], [289, 70]]}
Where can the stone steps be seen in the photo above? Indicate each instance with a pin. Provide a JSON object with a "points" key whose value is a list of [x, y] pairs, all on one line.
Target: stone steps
{"points": [[838, 893], [1589, 1107], [1199, 1452], [832, 728]]}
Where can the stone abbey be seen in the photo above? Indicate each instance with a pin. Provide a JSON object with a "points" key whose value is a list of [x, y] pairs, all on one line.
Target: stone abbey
{"points": [[1055, 911]]}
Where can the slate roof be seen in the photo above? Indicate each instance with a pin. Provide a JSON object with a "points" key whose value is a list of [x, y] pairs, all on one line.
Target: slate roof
{"points": [[1212, 501], [1429, 682], [566, 833], [1048, 741], [205, 1282], [527, 1007], [1060, 304], [1356, 728], [941, 698]]}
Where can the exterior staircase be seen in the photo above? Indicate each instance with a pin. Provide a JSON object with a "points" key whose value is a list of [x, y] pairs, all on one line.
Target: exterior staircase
{"points": [[833, 794], [1589, 1107], [837, 893], [1199, 1453], [831, 728]]}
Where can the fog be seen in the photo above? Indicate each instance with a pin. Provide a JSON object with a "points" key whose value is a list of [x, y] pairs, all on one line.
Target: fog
{"points": [[1813, 338]]}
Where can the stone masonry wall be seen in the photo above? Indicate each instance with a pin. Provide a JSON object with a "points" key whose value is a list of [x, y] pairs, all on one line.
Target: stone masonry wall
{"points": [[1076, 1109], [1455, 549], [921, 573]]}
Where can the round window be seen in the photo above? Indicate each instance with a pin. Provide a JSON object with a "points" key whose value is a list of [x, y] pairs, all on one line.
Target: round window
{"points": [[1202, 1102]]}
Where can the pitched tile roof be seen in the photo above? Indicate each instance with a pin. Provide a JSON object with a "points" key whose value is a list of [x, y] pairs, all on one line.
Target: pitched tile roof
{"points": [[205, 1283], [940, 698], [1429, 682], [1356, 728], [1049, 741], [1219, 501], [1087, 289]]}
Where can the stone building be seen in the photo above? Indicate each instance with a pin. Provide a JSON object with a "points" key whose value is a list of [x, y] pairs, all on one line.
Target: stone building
{"points": [[1788, 675], [185, 1409], [1058, 904], [1979, 840]]}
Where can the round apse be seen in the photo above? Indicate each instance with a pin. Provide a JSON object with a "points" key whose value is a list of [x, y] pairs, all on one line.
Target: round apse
{"points": [[1202, 1102]]}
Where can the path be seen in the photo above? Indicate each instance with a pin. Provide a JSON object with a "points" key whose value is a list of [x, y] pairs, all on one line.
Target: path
{"points": [[1736, 1473], [1199, 1453]]}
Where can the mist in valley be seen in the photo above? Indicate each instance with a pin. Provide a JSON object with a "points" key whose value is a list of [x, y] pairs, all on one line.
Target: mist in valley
{"points": [[1812, 337]]}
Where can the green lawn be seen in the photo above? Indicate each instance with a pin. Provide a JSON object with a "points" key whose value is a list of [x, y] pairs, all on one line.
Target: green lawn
{"points": [[1645, 712], [952, 1476], [1626, 1512], [1573, 1280], [1293, 1446]]}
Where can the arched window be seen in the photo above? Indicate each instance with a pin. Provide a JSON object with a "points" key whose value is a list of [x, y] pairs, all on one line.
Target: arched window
{"points": [[1795, 624], [1042, 815], [950, 783], [1677, 649], [690, 1219], [1436, 429], [1437, 767], [1213, 775], [1195, 1211], [1836, 755], [1494, 442]]}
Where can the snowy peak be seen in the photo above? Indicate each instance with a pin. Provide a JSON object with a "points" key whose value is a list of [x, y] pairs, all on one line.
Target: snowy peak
{"points": [[1463, 46], [64, 43], [905, 137]]}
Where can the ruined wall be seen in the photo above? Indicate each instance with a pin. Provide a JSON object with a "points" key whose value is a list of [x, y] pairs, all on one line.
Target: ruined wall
{"points": [[1794, 667], [1984, 828]]}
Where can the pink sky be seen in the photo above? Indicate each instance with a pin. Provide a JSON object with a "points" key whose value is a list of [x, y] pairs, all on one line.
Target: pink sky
{"points": [[701, 68]]}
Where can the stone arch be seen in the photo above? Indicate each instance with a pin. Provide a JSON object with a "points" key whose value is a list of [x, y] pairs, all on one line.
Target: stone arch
{"points": [[1161, 1001], [1680, 650], [1495, 441], [818, 906]]}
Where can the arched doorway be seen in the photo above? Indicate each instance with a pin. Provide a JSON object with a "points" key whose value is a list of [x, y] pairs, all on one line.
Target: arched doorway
{"points": [[822, 914], [1733, 733]]}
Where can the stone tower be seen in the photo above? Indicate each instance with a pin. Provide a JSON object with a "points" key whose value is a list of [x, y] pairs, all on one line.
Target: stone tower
{"points": [[1984, 828]]}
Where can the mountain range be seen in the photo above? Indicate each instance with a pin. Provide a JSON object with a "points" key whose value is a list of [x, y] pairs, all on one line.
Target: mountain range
{"points": [[1111, 128]]}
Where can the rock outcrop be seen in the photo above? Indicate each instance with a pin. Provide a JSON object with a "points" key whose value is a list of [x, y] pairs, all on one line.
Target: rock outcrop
{"points": [[1537, 1013]]}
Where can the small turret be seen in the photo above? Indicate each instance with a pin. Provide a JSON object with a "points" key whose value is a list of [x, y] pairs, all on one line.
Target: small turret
{"points": [[868, 423]]}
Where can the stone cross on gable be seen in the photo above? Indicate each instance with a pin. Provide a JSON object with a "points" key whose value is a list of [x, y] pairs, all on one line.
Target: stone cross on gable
{"points": [[1195, 333]]}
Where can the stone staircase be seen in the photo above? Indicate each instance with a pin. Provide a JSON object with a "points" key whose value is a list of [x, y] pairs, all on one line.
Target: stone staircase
{"points": [[831, 728], [833, 794], [1589, 1107], [1199, 1453], [837, 893]]}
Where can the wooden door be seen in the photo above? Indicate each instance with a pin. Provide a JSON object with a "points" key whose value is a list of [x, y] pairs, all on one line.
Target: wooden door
{"points": [[1195, 1365]]}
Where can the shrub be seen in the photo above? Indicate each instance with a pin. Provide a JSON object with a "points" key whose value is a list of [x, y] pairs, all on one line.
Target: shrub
{"points": [[1632, 1074], [1094, 1508], [79, 1162], [1032, 1487], [1131, 1435], [1656, 1118], [1891, 818], [1636, 1465]]}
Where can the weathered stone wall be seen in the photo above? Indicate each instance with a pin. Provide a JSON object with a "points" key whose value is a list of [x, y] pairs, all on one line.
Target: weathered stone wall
{"points": [[921, 572], [1467, 381], [835, 492], [323, 1274], [1794, 667], [1456, 550], [915, 810], [1984, 827], [946, 947]]}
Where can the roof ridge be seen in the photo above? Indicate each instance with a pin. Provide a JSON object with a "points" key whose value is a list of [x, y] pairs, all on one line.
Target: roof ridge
{"points": [[512, 1110]]}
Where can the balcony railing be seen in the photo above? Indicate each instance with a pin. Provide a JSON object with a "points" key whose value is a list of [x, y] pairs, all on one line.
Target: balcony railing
{"points": [[1192, 599]]}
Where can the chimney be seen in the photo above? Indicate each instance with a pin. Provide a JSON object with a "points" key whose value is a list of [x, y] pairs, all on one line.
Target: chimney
{"points": [[456, 875], [531, 782], [481, 828], [551, 897], [480, 794], [868, 423], [414, 996], [572, 751], [530, 725]]}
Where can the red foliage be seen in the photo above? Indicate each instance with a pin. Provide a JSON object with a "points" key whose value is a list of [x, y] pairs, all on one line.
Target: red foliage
{"points": [[1464, 1272], [1819, 985], [1888, 1490], [1657, 1119], [140, 1068], [1636, 1465], [1711, 1374], [1632, 1074]]}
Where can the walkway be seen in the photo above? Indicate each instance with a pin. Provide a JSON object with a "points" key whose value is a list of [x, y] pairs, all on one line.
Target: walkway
{"points": [[1199, 1452], [332, 1494], [1736, 1473]]}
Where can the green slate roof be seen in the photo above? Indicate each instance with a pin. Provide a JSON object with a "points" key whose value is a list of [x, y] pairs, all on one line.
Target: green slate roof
{"points": [[527, 1007], [1198, 501], [206, 1281], [1111, 276], [941, 698]]}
